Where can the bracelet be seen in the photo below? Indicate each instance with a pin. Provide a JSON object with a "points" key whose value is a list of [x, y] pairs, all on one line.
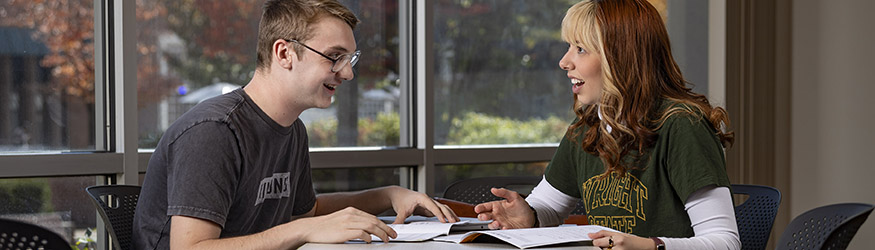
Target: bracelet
{"points": [[535, 212], [659, 244]]}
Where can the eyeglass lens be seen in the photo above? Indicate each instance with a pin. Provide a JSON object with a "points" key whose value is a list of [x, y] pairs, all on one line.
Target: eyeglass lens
{"points": [[341, 62]]}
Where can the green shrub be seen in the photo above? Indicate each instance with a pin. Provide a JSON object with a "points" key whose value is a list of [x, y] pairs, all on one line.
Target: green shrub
{"points": [[20, 196], [383, 131], [475, 128], [322, 133], [471, 129]]}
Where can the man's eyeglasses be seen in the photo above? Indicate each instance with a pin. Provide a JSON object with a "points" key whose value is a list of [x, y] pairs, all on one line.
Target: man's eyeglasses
{"points": [[339, 62]]}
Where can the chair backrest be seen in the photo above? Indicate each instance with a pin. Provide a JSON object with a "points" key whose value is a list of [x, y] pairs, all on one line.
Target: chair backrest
{"points": [[116, 205], [477, 190], [756, 215], [20, 235], [827, 227]]}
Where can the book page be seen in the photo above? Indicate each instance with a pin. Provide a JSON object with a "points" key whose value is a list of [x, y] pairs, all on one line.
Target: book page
{"points": [[421, 230], [532, 237], [455, 238], [418, 218]]}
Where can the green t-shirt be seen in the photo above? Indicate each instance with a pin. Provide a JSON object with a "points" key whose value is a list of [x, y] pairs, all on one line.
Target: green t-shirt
{"points": [[648, 201]]}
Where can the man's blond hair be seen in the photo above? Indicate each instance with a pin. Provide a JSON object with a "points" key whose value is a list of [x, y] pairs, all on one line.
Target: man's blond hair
{"points": [[291, 19]]}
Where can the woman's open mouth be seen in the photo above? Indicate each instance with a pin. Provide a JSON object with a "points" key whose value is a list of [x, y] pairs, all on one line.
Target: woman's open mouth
{"points": [[576, 84]]}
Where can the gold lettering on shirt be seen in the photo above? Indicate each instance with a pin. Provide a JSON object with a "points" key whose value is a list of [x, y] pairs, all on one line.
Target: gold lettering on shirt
{"points": [[619, 223], [627, 193]]}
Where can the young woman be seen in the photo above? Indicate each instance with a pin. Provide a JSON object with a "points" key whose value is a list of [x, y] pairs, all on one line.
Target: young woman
{"points": [[645, 153]]}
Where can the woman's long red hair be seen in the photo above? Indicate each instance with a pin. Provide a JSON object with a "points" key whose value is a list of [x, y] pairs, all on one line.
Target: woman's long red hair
{"points": [[639, 72]]}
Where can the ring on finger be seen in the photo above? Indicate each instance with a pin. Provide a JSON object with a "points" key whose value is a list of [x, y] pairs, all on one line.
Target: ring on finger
{"points": [[610, 242]]}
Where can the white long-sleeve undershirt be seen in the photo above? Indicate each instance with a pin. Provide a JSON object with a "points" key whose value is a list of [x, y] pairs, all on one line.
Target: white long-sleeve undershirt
{"points": [[710, 209]]}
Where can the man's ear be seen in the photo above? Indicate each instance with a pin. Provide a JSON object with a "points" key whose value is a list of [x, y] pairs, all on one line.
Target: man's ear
{"points": [[283, 53]]}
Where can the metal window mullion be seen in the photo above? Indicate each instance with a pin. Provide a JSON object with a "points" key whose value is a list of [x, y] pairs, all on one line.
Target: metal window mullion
{"points": [[100, 76], [424, 94], [57, 165], [493, 155], [101, 92], [365, 158], [405, 77], [124, 83]]}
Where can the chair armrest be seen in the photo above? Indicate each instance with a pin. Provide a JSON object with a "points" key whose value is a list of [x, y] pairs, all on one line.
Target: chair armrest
{"points": [[577, 219]]}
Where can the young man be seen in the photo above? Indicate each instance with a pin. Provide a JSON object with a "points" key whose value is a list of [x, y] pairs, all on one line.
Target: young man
{"points": [[234, 172]]}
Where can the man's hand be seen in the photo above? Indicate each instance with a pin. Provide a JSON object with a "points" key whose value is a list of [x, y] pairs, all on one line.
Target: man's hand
{"points": [[512, 212], [406, 202], [346, 224]]}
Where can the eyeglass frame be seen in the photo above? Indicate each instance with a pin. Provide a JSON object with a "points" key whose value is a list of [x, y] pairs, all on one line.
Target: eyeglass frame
{"points": [[353, 57]]}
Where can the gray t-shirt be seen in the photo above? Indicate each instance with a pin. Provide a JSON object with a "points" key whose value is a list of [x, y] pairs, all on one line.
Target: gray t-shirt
{"points": [[225, 161]]}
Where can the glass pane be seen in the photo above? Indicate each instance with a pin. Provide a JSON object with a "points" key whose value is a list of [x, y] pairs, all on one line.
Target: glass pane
{"points": [[497, 79], [496, 67], [183, 59], [59, 204], [46, 76], [447, 174], [352, 179]]}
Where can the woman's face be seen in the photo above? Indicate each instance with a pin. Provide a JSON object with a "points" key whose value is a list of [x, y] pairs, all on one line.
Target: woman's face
{"points": [[585, 71]]}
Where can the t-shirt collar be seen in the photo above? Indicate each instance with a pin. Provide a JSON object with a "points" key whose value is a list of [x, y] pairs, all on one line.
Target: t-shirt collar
{"points": [[599, 112]]}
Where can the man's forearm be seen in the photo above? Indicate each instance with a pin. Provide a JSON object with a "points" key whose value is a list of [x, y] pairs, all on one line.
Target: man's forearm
{"points": [[285, 236], [373, 201]]}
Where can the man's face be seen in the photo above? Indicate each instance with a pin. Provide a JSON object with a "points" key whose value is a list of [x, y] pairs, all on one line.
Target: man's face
{"points": [[316, 83]]}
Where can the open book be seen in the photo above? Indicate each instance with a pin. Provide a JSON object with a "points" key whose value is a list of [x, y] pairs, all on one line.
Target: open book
{"points": [[529, 237], [419, 228]]}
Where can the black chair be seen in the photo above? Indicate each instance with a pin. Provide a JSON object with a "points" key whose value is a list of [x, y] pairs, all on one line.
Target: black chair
{"points": [[756, 215], [826, 227], [477, 190], [116, 205], [20, 235]]}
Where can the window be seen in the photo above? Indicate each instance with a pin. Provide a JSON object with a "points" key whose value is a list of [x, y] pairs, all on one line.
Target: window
{"points": [[47, 76], [184, 59], [497, 79], [59, 204], [329, 180]]}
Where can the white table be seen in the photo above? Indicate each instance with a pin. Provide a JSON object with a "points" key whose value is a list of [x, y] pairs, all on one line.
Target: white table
{"points": [[429, 245]]}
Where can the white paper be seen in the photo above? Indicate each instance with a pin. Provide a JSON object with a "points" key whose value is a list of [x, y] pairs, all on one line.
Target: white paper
{"points": [[417, 218], [420, 229], [455, 238], [532, 237]]}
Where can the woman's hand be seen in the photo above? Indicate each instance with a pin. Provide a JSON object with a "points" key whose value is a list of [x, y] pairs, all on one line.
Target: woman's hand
{"points": [[512, 212], [620, 241]]}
